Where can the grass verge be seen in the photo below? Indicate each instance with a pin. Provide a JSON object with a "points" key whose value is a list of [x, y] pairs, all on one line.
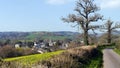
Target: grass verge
{"points": [[96, 62], [117, 51]]}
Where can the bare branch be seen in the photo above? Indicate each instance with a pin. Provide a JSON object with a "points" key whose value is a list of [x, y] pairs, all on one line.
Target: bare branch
{"points": [[117, 25], [116, 31], [79, 11], [86, 14], [80, 4], [94, 32], [71, 18], [109, 27], [95, 18], [94, 26]]}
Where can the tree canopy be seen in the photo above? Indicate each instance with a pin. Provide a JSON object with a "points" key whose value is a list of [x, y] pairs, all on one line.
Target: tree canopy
{"points": [[86, 14], [110, 27]]}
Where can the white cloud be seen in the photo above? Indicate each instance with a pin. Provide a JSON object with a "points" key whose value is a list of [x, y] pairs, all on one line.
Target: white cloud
{"points": [[110, 4], [56, 2]]}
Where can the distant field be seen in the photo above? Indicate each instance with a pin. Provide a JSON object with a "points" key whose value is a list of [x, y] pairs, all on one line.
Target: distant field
{"points": [[52, 37], [31, 59]]}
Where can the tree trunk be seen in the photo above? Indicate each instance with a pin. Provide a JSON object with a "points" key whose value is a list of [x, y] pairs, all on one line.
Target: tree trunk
{"points": [[86, 37], [109, 36]]}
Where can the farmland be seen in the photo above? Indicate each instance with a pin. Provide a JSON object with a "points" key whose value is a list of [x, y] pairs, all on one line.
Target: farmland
{"points": [[64, 57], [31, 59]]}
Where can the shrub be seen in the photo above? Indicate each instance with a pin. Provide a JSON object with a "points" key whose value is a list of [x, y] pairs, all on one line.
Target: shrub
{"points": [[72, 58], [25, 51], [9, 51], [117, 44], [12, 64]]}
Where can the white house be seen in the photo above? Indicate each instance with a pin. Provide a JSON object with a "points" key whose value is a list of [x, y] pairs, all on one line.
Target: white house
{"points": [[17, 45]]}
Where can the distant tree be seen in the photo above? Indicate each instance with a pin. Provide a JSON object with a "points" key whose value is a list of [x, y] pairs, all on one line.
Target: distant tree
{"points": [[58, 43], [19, 42], [30, 44], [102, 38], [8, 41], [86, 14], [110, 27], [40, 40], [67, 40], [1, 43], [46, 44]]}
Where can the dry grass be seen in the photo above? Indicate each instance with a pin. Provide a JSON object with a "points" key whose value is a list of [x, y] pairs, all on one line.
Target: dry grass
{"points": [[72, 58], [78, 57]]}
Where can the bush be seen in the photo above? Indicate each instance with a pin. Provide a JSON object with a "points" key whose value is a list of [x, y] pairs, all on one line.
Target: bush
{"points": [[12, 65], [117, 45], [72, 58], [9, 51], [25, 51]]}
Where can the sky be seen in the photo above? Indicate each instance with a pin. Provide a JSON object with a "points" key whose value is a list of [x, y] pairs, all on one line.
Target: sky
{"points": [[45, 15]]}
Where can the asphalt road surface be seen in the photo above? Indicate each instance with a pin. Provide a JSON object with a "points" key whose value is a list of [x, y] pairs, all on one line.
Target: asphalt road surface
{"points": [[110, 59]]}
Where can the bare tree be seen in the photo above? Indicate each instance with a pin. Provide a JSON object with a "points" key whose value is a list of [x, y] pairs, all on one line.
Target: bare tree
{"points": [[86, 13], [110, 27]]}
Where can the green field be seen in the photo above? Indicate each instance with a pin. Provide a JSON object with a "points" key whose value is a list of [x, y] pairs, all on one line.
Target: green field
{"points": [[45, 36], [32, 59]]}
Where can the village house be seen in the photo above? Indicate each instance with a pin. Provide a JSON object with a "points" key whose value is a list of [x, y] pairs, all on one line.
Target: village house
{"points": [[17, 45]]}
